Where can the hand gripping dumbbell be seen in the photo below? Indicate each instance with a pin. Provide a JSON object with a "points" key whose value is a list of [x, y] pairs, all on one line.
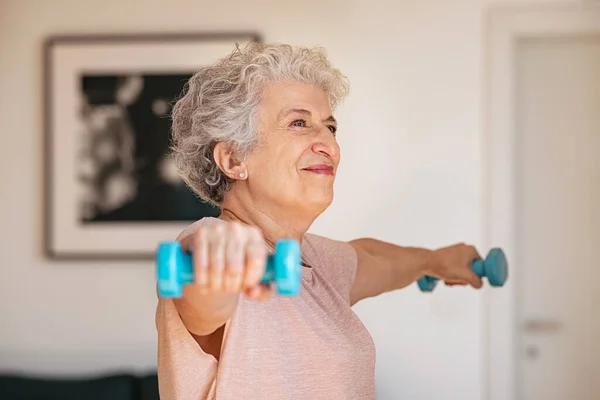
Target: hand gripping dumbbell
{"points": [[175, 268], [494, 267]]}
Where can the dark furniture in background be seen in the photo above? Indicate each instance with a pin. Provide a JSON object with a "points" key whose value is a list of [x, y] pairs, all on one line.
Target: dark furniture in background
{"points": [[105, 387]]}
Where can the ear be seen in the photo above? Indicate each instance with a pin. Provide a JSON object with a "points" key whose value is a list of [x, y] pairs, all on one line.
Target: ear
{"points": [[225, 159]]}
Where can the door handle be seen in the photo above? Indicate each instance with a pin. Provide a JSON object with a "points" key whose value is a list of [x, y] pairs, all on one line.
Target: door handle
{"points": [[542, 326]]}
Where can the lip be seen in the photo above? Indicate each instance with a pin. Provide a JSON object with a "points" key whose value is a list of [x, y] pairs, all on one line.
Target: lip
{"points": [[322, 169]]}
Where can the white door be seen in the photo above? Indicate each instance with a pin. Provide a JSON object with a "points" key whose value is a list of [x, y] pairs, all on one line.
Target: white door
{"points": [[558, 224]]}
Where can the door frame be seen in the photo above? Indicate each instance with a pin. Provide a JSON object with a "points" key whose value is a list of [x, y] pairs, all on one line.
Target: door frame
{"points": [[505, 27]]}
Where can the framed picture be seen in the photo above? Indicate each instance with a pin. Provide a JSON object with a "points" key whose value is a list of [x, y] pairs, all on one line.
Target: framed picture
{"points": [[111, 188]]}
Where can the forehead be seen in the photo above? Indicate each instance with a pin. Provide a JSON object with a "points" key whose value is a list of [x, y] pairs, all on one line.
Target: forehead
{"points": [[279, 97]]}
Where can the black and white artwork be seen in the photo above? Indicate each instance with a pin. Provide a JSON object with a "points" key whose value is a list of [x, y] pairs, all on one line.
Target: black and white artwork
{"points": [[124, 168], [111, 186]]}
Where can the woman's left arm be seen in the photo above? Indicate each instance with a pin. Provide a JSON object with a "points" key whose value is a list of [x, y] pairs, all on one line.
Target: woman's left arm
{"points": [[383, 267]]}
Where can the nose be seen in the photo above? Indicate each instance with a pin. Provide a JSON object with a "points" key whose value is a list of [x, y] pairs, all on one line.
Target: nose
{"points": [[326, 144]]}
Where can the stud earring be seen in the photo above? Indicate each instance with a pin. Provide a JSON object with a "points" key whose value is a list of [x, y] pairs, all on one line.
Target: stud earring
{"points": [[242, 175]]}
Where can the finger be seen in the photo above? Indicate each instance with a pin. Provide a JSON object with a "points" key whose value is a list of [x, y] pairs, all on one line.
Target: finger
{"points": [[252, 292], [259, 292], [216, 256], [234, 258], [471, 277], [265, 292], [474, 280], [199, 250], [186, 243], [256, 259], [455, 283], [473, 253]]}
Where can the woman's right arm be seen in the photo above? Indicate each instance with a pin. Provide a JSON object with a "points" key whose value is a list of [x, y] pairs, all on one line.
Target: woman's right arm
{"points": [[229, 260]]}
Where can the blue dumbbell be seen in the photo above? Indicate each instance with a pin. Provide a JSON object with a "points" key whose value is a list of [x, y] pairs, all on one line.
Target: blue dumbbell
{"points": [[494, 267], [175, 268]]}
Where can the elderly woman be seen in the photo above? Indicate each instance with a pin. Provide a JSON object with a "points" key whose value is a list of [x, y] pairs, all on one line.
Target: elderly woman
{"points": [[255, 134]]}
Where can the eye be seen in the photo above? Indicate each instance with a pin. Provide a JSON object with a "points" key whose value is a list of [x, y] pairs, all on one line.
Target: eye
{"points": [[333, 129], [299, 123]]}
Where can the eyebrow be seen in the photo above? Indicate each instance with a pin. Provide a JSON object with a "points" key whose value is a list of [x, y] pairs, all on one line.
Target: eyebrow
{"points": [[306, 112]]}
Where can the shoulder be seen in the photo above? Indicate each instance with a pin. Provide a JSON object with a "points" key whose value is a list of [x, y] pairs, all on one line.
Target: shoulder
{"points": [[337, 261], [332, 250]]}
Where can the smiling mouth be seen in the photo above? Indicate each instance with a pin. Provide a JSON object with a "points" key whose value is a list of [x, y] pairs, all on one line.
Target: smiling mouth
{"points": [[321, 169]]}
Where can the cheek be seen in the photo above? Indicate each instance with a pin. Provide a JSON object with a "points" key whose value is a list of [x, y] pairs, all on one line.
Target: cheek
{"points": [[287, 159], [337, 155], [269, 173], [280, 161]]}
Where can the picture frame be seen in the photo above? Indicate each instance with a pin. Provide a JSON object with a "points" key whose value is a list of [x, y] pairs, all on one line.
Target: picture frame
{"points": [[111, 190]]}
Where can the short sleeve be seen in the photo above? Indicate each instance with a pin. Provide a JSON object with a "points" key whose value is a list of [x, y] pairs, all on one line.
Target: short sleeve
{"points": [[185, 371], [337, 261]]}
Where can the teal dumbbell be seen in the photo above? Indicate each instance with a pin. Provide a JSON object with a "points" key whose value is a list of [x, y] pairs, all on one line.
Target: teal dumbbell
{"points": [[175, 268], [494, 267]]}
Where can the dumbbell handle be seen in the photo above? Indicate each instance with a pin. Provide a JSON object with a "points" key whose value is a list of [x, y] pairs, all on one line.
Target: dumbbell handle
{"points": [[478, 267], [186, 269], [175, 268]]}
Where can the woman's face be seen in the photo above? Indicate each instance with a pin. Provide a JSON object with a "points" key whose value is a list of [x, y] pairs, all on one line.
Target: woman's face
{"points": [[295, 162]]}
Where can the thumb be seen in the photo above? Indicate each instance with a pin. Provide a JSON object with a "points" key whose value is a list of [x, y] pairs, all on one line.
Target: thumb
{"points": [[472, 279]]}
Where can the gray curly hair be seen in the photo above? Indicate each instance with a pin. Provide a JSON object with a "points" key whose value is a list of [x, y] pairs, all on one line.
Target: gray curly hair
{"points": [[220, 104]]}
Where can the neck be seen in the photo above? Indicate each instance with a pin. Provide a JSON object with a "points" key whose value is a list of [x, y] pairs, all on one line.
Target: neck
{"points": [[274, 222]]}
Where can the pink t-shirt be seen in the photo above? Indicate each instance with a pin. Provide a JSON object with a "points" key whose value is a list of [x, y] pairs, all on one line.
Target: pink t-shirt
{"points": [[311, 346]]}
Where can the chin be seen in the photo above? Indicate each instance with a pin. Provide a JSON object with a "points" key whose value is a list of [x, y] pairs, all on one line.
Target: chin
{"points": [[318, 203], [312, 199]]}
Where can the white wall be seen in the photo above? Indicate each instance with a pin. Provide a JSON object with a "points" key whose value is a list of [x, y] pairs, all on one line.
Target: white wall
{"points": [[411, 137]]}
